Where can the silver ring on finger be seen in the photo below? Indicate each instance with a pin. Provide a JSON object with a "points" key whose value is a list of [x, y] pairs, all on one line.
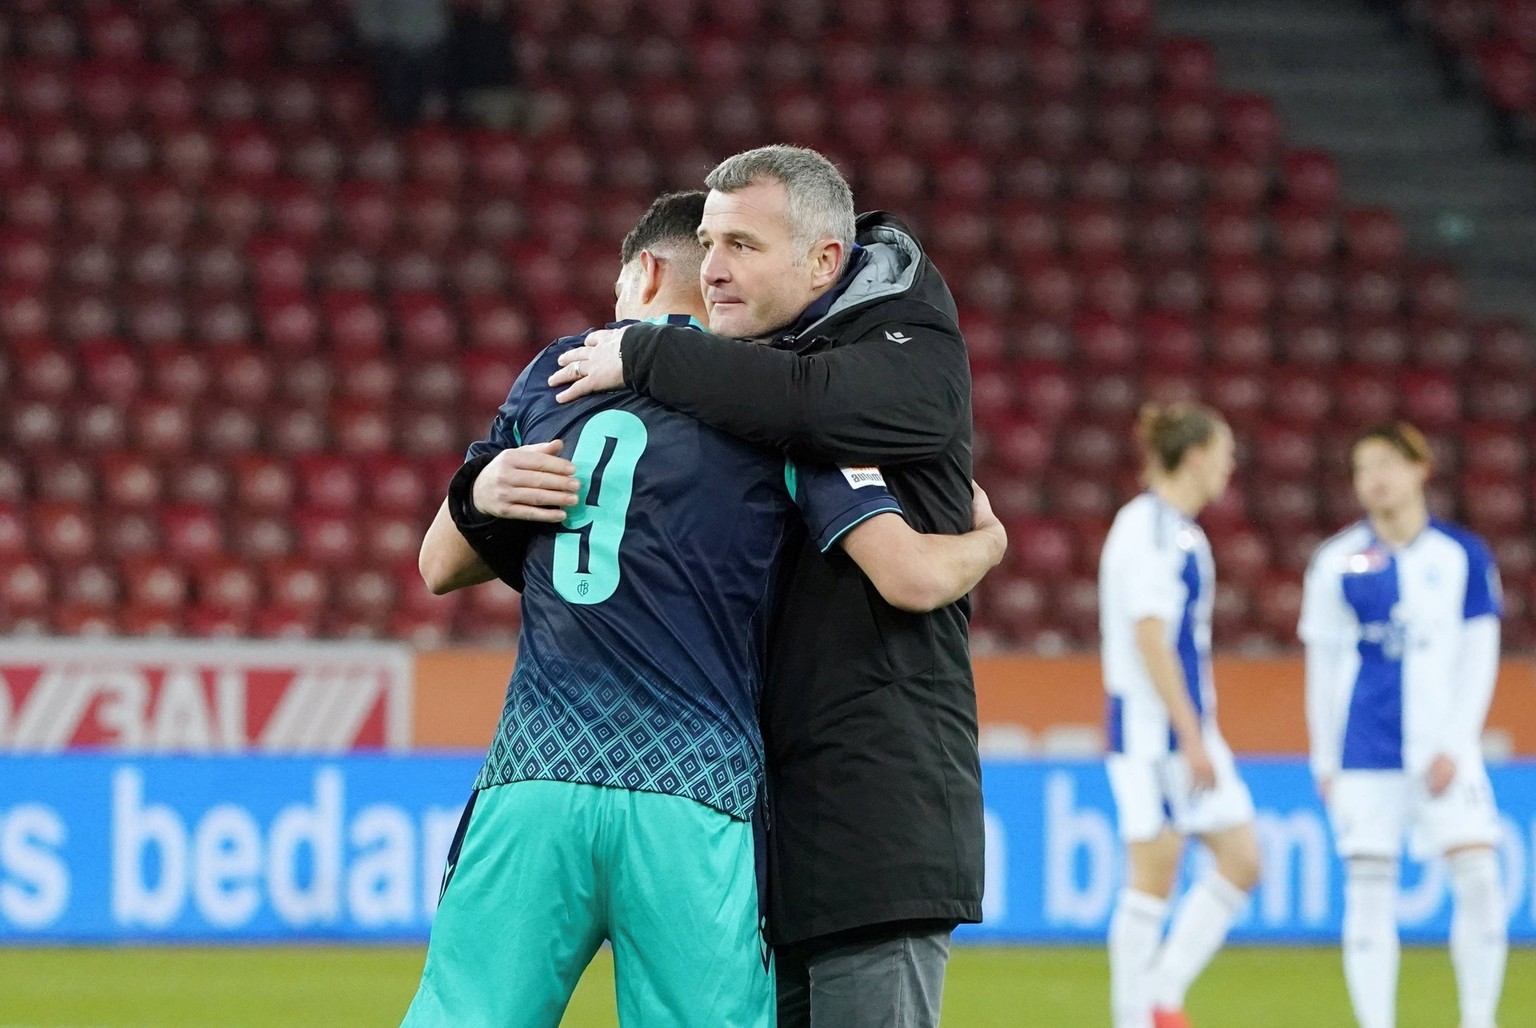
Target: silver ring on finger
{"points": [[580, 373]]}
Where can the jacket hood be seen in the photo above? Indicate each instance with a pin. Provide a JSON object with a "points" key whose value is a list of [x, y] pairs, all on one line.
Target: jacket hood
{"points": [[895, 268]]}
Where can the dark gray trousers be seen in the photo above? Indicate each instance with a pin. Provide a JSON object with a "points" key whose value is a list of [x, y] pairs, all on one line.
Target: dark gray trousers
{"points": [[889, 980]]}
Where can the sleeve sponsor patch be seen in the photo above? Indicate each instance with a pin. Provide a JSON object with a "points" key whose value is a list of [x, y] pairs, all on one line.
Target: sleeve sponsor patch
{"points": [[858, 478]]}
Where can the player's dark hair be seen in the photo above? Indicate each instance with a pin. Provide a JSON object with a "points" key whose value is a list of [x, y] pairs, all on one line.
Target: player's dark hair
{"points": [[671, 222], [1166, 432], [1402, 437]]}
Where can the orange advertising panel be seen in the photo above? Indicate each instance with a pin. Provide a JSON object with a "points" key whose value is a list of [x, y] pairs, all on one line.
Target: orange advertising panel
{"points": [[459, 695]]}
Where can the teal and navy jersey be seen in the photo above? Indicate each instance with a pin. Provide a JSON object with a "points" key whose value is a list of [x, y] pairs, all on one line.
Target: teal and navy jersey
{"points": [[645, 613]]}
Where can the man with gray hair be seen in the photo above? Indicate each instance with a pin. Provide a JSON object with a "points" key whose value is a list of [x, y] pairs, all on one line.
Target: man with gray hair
{"points": [[869, 712], [622, 795]]}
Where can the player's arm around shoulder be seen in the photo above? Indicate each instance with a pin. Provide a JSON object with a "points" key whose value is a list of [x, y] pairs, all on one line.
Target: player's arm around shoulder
{"points": [[920, 572]]}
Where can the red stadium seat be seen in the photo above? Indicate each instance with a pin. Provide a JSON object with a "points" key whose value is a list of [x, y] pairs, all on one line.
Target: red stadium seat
{"points": [[1250, 126], [1379, 343], [1515, 555], [42, 371], [1365, 397], [161, 427], [1278, 599], [1493, 450], [95, 621], [1241, 288], [1026, 230], [1163, 234], [378, 161], [277, 622], [25, 587], [367, 591], [1440, 346], [1506, 346], [1111, 287], [155, 584], [392, 539], [1187, 123], [1493, 505], [13, 531], [1306, 233], [1041, 549], [263, 484], [1242, 555], [227, 586], [1091, 448], [293, 102], [1431, 400], [1241, 395], [1105, 342], [1500, 400], [1176, 288], [1023, 448], [1307, 292], [211, 622], [1372, 293], [1233, 231], [426, 432], [1111, 398], [326, 537], [1285, 451], [1050, 289], [1435, 291], [1046, 392], [63, 478], [1374, 237], [289, 322], [191, 533], [1311, 342], [1300, 398], [1094, 230], [1077, 606]]}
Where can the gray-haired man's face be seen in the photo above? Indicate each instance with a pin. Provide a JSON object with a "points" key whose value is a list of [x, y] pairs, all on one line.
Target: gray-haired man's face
{"points": [[755, 278]]}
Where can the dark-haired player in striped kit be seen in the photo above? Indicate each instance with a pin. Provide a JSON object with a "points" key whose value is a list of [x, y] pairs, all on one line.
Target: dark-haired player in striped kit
{"points": [[618, 798]]}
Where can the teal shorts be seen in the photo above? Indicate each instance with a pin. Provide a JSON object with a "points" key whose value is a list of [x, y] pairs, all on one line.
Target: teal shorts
{"points": [[547, 870]]}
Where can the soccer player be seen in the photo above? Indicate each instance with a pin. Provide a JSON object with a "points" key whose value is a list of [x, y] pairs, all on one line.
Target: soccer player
{"points": [[869, 712], [618, 797], [1171, 773], [1400, 617]]}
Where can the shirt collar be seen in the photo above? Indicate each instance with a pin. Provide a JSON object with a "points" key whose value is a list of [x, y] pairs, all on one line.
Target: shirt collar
{"points": [[818, 310], [679, 320]]}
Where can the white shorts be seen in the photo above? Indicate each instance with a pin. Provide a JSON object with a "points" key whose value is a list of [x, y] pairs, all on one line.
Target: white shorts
{"points": [[1152, 793], [1372, 810]]}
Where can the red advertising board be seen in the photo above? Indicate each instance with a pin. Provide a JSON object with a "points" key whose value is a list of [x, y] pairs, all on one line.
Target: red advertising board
{"points": [[185, 697]]}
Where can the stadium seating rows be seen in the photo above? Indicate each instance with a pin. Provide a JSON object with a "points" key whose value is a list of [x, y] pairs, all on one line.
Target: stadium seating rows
{"points": [[248, 330]]}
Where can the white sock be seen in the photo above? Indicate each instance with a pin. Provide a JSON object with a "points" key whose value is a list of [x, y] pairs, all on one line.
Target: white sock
{"points": [[1134, 933], [1370, 941], [1200, 926], [1479, 935]]}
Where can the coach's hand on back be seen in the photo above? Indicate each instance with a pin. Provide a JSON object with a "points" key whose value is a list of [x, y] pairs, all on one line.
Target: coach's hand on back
{"points": [[528, 483], [594, 368]]}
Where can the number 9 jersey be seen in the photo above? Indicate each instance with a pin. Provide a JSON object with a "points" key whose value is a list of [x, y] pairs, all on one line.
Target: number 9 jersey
{"points": [[644, 614]]}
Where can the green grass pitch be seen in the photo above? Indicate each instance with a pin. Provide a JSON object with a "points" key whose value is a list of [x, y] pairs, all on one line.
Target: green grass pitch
{"points": [[986, 987]]}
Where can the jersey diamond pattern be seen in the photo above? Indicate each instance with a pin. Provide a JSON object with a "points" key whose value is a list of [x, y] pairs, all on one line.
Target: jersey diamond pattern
{"points": [[589, 725]]}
